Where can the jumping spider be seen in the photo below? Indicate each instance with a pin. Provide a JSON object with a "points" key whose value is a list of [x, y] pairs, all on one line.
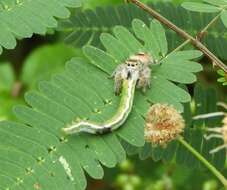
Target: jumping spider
{"points": [[136, 67]]}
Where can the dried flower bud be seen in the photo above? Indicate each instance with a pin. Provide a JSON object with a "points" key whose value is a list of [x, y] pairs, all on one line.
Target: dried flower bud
{"points": [[163, 124]]}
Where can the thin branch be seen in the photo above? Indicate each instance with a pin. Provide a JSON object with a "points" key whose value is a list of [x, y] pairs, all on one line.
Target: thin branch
{"points": [[204, 161], [181, 32], [200, 35], [210, 23], [182, 45]]}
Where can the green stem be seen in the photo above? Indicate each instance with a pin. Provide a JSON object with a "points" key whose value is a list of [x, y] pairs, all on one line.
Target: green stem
{"points": [[181, 32], [211, 23], [201, 32], [204, 161], [182, 45]]}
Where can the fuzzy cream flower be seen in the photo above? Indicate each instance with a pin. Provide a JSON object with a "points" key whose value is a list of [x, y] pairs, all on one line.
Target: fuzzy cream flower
{"points": [[163, 124]]}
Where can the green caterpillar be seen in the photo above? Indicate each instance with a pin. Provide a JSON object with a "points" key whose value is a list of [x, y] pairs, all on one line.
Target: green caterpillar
{"points": [[135, 72]]}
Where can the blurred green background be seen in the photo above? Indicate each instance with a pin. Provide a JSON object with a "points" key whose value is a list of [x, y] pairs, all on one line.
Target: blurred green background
{"points": [[38, 58]]}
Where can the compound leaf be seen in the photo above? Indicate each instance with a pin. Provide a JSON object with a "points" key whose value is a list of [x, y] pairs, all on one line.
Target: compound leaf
{"points": [[84, 91], [23, 18]]}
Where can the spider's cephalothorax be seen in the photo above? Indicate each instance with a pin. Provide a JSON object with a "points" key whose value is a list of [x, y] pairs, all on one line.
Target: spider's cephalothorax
{"points": [[135, 68]]}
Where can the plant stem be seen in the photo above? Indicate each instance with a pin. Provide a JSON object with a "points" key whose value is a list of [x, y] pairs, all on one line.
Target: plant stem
{"points": [[182, 45], [201, 32], [211, 23], [182, 33], [204, 161]]}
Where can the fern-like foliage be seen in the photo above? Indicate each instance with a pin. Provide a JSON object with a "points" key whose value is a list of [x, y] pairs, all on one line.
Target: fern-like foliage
{"points": [[34, 154], [23, 18], [87, 25], [223, 77]]}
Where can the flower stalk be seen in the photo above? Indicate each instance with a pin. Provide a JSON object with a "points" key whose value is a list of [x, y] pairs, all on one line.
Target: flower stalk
{"points": [[204, 161]]}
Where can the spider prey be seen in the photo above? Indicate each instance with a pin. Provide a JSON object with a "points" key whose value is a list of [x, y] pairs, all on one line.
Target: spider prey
{"points": [[134, 72]]}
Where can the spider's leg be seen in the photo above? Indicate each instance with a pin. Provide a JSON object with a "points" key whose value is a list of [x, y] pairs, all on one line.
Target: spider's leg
{"points": [[118, 77], [144, 79], [117, 86]]}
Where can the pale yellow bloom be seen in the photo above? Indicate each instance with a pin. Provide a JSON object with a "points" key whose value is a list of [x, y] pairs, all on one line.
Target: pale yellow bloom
{"points": [[163, 124]]}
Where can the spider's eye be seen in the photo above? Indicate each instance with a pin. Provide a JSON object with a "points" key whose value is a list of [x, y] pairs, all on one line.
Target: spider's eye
{"points": [[128, 64]]}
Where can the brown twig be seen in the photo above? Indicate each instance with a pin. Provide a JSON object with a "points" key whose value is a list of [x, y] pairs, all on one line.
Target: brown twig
{"points": [[182, 33]]}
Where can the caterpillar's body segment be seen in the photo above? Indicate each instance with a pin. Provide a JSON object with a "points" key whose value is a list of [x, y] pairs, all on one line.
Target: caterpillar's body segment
{"points": [[134, 72], [128, 88]]}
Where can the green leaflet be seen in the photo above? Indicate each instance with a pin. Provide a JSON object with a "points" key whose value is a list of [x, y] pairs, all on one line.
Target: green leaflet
{"points": [[187, 69], [223, 77], [44, 60], [219, 3], [7, 77], [216, 6], [22, 18], [224, 17], [200, 7], [7, 84]]}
